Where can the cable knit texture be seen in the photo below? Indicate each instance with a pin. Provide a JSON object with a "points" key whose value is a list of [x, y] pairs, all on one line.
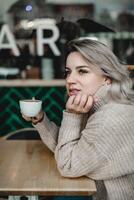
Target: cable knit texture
{"points": [[99, 145]]}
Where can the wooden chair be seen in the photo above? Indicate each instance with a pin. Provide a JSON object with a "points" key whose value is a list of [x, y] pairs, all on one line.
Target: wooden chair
{"points": [[23, 134]]}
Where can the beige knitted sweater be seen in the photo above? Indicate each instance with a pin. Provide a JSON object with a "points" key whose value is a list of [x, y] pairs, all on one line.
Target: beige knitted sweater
{"points": [[99, 145]]}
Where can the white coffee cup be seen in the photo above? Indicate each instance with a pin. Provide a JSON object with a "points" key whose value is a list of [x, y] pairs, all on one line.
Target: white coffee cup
{"points": [[30, 107]]}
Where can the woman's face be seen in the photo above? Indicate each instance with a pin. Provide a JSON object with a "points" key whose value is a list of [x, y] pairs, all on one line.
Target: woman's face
{"points": [[80, 77]]}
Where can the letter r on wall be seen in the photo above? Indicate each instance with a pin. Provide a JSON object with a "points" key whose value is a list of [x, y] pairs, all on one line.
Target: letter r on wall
{"points": [[50, 41]]}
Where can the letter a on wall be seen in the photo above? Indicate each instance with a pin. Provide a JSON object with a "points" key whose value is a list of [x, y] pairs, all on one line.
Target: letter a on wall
{"points": [[10, 44]]}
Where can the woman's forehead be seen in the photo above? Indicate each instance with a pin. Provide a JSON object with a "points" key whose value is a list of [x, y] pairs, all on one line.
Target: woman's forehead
{"points": [[77, 59]]}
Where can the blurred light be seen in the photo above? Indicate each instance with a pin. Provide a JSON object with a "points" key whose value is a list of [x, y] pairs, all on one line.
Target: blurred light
{"points": [[29, 8], [30, 25], [36, 23], [89, 37]]}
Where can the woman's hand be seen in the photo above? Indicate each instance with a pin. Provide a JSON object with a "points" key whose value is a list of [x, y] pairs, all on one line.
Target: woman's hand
{"points": [[36, 119], [80, 103]]}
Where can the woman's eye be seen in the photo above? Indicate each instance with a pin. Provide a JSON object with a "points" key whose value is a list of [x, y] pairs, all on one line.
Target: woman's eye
{"points": [[82, 71], [66, 73]]}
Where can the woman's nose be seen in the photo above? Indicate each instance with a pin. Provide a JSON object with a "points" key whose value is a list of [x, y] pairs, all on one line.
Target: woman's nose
{"points": [[71, 78]]}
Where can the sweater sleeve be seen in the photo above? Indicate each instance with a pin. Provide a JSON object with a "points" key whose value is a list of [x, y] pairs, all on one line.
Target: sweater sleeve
{"points": [[48, 132], [77, 152]]}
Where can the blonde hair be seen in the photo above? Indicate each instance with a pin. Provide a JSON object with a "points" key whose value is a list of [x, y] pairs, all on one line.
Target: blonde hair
{"points": [[103, 58]]}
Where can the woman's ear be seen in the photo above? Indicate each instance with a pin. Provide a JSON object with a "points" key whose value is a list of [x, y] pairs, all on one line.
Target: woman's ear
{"points": [[107, 81]]}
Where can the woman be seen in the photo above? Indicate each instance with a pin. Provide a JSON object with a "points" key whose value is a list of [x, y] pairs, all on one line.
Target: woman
{"points": [[96, 137]]}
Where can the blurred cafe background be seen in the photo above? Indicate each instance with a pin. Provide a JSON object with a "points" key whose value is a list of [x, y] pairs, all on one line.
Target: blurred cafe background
{"points": [[33, 66]]}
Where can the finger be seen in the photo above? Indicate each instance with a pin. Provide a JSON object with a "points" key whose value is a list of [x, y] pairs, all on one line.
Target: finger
{"points": [[77, 99], [38, 118], [89, 103], [26, 118], [95, 99], [69, 104], [83, 101], [70, 100], [34, 120]]}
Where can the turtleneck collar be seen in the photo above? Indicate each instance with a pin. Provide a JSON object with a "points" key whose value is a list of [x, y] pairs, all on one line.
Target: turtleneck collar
{"points": [[102, 97]]}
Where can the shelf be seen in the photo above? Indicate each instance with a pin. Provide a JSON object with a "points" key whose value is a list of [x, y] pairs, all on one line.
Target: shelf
{"points": [[32, 83], [37, 82]]}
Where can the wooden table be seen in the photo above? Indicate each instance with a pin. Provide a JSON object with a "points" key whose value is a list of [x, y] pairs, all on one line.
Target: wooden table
{"points": [[29, 168]]}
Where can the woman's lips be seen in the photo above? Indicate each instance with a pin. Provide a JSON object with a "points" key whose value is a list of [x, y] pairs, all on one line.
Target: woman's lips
{"points": [[73, 92]]}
